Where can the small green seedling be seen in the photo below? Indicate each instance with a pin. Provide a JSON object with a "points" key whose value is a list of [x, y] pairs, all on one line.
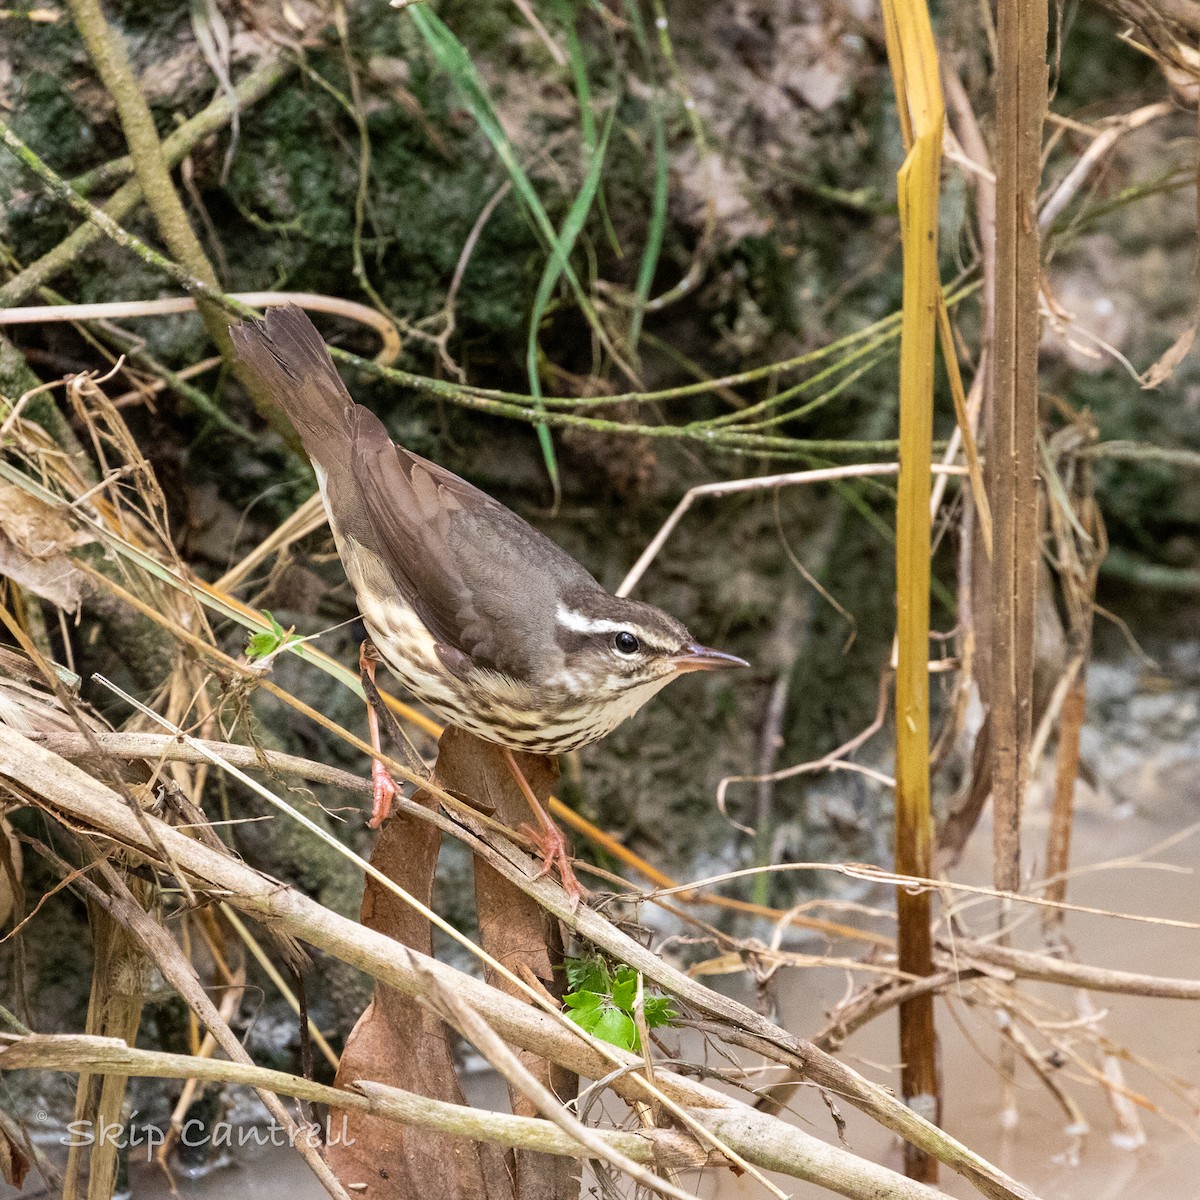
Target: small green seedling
{"points": [[269, 642], [601, 1001]]}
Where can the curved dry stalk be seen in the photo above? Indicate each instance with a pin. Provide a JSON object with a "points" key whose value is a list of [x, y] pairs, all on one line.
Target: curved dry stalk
{"points": [[1099, 146], [118, 309], [826, 762], [308, 518], [446, 313], [881, 875], [758, 483]]}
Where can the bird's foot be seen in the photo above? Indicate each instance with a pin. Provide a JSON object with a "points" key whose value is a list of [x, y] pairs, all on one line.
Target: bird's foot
{"points": [[552, 846], [383, 793]]}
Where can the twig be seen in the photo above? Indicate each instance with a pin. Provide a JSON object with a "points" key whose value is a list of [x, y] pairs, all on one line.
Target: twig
{"points": [[259, 83], [308, 518], [1043, 968], [829, 761], [1096, 150], [442, 340], [85, 731], [485, 1039], [729, 487], [117, 309], [556, 53], [167, 748], [1130, 1134], [880, 875]]}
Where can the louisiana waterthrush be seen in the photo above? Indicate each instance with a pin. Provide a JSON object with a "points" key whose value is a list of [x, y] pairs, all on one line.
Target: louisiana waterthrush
{"points": [[482, 617]]}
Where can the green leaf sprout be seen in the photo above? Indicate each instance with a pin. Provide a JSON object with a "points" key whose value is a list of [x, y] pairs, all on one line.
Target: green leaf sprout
{"points": [[271, 641], [602, 1000]]}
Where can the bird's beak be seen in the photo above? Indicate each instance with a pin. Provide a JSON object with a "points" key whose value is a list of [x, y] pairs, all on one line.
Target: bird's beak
{"points": [[701, 658]]}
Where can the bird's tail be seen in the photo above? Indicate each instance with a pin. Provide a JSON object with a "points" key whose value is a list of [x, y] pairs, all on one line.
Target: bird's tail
{"points": [[290, 361]]}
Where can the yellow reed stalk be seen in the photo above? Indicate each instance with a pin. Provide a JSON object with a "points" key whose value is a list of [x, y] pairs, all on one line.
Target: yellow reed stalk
{"points": [[913, 58]]}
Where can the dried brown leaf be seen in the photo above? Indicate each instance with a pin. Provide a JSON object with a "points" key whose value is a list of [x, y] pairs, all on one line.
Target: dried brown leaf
{"points": [[34, 539], [34, 528], [1165, 367]]}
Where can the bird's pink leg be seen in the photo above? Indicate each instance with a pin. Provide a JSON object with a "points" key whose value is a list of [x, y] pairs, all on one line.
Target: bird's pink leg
{"points": [[547, 837], [384, 786]]}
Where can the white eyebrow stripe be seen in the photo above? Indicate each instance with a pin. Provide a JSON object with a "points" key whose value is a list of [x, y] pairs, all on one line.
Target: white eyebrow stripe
{"points": [[578, 623]]}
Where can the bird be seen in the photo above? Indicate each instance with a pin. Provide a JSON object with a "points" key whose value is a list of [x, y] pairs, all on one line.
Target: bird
{"points": [[482, 617]]}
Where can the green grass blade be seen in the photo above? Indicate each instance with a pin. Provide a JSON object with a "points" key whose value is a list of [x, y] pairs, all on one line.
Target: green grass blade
{"points": [[451, 55], [658, 225], [583, 93], [564, 244], [583, 88]]}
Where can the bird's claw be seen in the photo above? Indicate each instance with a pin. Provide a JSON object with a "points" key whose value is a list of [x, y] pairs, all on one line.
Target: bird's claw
{"points": [[552, 846], [382, 794]]}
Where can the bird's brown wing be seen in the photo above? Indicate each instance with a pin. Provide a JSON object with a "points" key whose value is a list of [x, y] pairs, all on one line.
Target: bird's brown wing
{"points": [[484, 581]]}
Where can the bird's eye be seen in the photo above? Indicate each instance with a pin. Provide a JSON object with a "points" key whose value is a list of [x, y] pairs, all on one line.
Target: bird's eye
{"points": [[625, 643]]}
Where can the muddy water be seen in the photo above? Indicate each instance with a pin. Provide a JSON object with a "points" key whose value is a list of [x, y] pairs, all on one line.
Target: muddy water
{"points": [[1039, 1150]]}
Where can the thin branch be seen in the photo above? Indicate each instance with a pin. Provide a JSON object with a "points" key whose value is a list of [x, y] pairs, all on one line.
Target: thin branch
{"points": [[105, 1056], [165, 747], [39, 314], [1043, 968], [259, 83], [730, 487]]}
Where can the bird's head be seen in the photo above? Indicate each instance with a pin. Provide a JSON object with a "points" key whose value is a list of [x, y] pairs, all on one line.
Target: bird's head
{"points": [[612, 645]]}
